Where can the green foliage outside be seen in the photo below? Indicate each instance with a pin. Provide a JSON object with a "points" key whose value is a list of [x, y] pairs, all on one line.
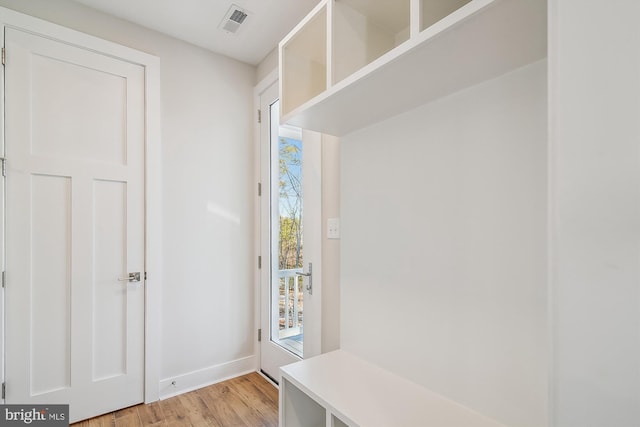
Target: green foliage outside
{"points": [[290, 166]]}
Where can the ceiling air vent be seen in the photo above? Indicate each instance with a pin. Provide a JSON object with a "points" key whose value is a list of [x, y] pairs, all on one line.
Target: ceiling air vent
{"points": [[233, 19]]}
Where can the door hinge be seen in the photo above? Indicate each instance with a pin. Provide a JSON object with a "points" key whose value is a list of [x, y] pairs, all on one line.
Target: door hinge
{"points": [[4, 390], [4, 279], [145, 275], [259, 340], [4, 56], [259, 111], [259, 261], [3, 166], [259, 189]]}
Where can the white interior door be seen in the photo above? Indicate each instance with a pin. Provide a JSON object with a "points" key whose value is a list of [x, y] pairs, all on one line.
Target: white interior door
{"points": [[75, 226], [290, 240]]}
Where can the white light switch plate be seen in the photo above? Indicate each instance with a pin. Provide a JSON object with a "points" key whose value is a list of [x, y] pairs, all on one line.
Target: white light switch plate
{"points": [[333, 228]]}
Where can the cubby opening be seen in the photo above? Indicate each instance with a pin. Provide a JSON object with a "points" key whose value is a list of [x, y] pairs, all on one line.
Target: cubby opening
{"points": [[304, 63], [300, 410], [337, 422], [434, 10], [364, 30]]}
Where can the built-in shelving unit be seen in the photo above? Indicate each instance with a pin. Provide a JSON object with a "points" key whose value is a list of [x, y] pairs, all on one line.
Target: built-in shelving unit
{"points": [[363, 31], [338, 389], [434, 10], [352, 63], [304, 62]]}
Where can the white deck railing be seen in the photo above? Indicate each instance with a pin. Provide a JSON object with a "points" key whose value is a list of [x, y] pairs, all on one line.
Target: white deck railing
{"points": [[290, 303]]}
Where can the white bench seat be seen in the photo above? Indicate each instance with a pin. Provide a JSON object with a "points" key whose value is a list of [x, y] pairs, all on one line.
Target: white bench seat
{"points": [[339, 389]]}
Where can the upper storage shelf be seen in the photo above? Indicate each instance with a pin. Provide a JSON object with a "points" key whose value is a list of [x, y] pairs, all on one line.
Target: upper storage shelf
{"points": [[351, 63], [304, 62]]}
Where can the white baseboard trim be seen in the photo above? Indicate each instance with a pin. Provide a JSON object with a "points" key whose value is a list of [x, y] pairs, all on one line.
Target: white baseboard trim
{"points": [[184, 383]]}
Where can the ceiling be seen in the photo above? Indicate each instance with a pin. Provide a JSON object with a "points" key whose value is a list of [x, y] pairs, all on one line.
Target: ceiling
{"points": [[198, 21]]}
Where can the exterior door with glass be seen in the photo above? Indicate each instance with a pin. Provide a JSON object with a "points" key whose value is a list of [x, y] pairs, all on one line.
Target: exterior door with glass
{"points": [[290, 218]]}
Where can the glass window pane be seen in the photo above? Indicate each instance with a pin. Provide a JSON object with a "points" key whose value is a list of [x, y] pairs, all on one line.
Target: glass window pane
{"points": [[287, 308]]}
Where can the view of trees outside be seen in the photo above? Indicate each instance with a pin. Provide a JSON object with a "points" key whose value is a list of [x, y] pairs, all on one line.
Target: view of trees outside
{"points": [[290, 162], [290, 251]]}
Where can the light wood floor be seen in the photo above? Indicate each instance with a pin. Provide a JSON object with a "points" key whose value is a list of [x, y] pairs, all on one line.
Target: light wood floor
{"points": [[247, 401]]}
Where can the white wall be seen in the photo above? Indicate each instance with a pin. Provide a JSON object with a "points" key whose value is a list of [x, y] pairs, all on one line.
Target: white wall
{"points": [[443, 259], [207, 111], [594, 59], [330, 247]]}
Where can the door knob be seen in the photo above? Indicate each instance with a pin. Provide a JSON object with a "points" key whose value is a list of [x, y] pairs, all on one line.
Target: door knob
{"points": [[133, 277]]}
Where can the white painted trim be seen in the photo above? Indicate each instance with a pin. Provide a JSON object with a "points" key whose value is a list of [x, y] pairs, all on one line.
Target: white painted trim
{"points": [[153, 240], [553, 111], [3, 225], [21, 21], [258, 90], [206, 377], [329, 47], [153, 232], [415, 14], [263, 85]]}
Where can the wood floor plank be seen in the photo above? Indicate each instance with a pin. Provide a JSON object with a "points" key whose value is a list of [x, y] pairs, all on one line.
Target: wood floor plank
{"points": [[249, 415], [126, 412], [151, 414], [198, 412], [264, 386], [223, 405], [247, 401], [174, 414], [106, 420], [180, 411], [127, 417], [256, 399], [131, 419]]}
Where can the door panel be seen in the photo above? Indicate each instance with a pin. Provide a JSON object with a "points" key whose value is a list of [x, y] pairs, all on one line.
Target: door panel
{"points": [[75, 226], [50, 283], [99, 136], [109, 299], [290, 314]]}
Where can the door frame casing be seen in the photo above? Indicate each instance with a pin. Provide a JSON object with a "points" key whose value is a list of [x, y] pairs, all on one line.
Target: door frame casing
{"points": [[152, 168], [313, 155], [259, 89]]}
